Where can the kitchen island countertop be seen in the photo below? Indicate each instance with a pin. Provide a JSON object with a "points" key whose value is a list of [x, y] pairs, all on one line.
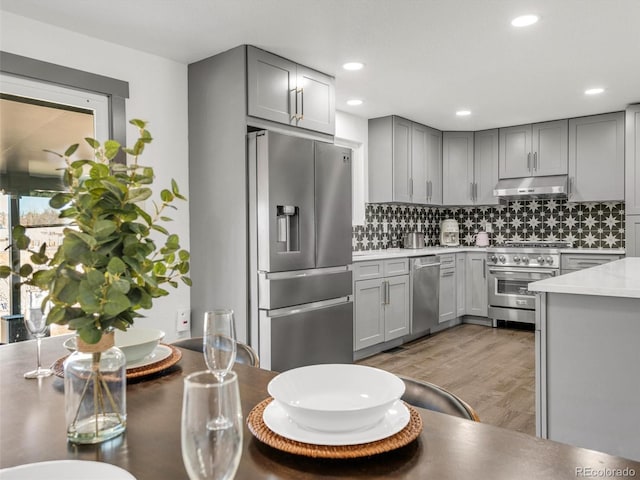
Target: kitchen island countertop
{"points": [[620, 278]]}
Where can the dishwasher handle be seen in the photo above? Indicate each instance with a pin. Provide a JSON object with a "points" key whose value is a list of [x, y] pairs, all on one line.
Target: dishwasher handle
{"points": [[427, 265]]}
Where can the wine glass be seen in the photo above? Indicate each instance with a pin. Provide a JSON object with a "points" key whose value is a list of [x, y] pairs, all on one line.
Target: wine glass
{"points": [[211, 454], [219, 347], [35, 319]]}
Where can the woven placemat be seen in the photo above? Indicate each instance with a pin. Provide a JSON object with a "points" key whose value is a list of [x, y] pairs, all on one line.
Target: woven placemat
{"points": [[133, 373], [260, 430]]}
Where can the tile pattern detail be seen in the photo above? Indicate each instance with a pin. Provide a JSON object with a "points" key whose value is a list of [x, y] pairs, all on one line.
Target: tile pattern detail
{"points": [[585, 225]]}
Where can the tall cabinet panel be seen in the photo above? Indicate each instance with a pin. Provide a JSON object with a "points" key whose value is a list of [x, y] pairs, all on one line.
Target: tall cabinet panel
{"points": [[596, 158], [457, 168], [402, 148], [419, 163], [434, 166], [632, 183], [485, 168]]}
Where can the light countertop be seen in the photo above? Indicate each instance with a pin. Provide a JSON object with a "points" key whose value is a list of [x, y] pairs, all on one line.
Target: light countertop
{"points": [[620, 278], [366, 255]]}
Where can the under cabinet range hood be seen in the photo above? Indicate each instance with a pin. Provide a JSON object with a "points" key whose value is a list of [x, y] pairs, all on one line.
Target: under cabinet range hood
{"points": [[553, 186]]}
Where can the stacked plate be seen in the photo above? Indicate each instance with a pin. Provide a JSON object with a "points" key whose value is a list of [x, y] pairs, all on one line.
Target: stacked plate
{"points": [[336, 404]]}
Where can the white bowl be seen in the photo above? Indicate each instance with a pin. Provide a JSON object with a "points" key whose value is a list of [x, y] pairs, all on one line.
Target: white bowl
{"points": [[136, 343], [336, 397]]}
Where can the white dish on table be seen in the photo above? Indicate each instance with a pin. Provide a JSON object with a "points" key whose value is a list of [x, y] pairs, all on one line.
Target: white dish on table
{"points": [[160, 353], [394, 420], [136, 343], [66, 470], [336, 397]]}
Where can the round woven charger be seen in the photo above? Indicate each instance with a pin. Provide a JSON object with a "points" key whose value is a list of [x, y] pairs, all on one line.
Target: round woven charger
{"points": [[137, 372], [264, 434]]}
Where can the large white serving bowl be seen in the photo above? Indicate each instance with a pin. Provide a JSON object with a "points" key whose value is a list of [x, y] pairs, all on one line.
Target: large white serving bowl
{"points": [[336, 397], [136, 343]]}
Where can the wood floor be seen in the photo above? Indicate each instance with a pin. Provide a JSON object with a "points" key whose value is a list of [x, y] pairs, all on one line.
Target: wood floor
{"points": [[492, 369]]}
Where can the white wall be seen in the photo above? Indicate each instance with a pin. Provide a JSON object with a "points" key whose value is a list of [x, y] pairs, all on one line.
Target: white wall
{"points": [[157, 93], [353, 131]]}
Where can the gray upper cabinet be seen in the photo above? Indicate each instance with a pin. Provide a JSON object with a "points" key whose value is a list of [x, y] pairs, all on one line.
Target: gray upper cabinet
{"points": [[470, 167], [285, 92], [485, 168], [405, 162], [596, 158], [458, 186], [534, 150]]}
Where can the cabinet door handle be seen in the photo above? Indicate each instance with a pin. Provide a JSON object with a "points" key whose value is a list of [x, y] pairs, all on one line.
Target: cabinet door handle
{"points": [[301, 103], [535, 161], [471, 190], [569, 186], [410, 187], [293, 104], [430, 189], [484, 268], [529, 161], [388, 294], [475, 191]]}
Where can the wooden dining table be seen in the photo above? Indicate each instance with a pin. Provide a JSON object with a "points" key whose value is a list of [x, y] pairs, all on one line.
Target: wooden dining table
{"points": [[32, 429]]}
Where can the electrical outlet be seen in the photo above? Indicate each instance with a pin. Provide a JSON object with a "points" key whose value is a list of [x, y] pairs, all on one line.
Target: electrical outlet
{"points": [[183, 320]]}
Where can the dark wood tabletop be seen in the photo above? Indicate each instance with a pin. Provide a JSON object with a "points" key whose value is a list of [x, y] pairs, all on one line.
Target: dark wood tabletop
{"points": [[32, 429]]}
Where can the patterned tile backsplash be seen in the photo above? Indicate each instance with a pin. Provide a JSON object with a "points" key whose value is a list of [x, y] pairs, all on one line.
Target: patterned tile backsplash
{"points": [[585, 225]]}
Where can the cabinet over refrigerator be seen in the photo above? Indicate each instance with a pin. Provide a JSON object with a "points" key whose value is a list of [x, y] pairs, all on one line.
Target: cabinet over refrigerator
{"points": [[300, 251]]}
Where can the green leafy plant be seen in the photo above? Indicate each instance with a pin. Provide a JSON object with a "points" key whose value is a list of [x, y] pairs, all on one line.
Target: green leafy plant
{"points": [[108, 266]]}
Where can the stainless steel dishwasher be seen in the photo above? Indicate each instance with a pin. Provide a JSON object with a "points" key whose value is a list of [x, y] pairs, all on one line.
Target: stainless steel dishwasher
{"points": [[425, 290]]}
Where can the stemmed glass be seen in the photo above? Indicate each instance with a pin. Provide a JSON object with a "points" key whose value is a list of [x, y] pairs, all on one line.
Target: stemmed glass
{"points": [[219, 345], [35, 319], [211, 454]]}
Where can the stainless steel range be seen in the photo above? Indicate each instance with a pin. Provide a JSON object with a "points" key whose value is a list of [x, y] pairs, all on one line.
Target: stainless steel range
{"points": [[511, 267]]}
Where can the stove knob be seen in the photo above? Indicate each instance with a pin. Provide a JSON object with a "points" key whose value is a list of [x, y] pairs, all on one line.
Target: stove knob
{"points": [[550, 260], [516, 258], [493, 258], [525, 260], [540, 259], [502, 259]]}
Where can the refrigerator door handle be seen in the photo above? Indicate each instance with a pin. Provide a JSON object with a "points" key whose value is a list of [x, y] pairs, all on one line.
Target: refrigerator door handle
{"points": [[283, 312]]}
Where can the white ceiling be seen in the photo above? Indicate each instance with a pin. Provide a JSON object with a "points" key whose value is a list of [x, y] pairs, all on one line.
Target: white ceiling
{"points": [[424, 59]]}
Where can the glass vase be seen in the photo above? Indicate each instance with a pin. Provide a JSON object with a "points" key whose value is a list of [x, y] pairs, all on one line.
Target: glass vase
{"points": [[95, 388]]}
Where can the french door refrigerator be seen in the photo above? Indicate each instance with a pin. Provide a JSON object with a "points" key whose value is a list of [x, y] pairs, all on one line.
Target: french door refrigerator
{"points": [[300, 251]]}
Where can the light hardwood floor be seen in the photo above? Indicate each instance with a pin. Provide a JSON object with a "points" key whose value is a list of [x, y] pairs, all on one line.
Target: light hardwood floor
{"points": [[492, 369]]}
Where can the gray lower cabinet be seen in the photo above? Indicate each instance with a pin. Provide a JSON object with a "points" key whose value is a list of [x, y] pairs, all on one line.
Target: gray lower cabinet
{"points": [[283, 91], [476, 293], [381, 303], [596, 158], [572, 262], [448, 304], [534, 150]]}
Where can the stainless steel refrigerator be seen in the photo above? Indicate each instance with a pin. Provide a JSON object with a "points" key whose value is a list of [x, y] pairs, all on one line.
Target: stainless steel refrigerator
{"points": [[300, 251]]}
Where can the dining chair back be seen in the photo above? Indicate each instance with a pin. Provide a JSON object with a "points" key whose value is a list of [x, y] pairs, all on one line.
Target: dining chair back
{"points": [[432, 397], [244, 354]]}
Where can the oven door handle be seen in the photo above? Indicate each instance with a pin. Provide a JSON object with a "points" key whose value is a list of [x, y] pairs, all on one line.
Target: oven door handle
{"points": [[514, 271]]}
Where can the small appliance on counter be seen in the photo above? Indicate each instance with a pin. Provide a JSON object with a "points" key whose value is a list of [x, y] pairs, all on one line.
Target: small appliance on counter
{"points": [[449, 233], [413, 240], [482, 239]]}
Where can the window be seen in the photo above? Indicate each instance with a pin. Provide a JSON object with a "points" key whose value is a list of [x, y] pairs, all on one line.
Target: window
{"points": [[37, 116]]}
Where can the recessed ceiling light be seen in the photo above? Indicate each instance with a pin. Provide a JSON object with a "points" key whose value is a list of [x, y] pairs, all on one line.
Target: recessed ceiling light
{"points": [[353, 66], [594, 91], [524, 20], [354, 102], [463, 113]]}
